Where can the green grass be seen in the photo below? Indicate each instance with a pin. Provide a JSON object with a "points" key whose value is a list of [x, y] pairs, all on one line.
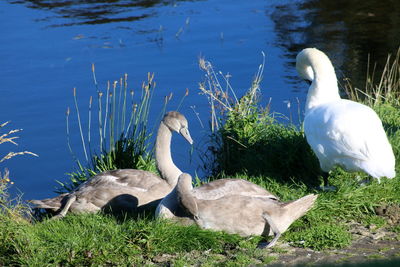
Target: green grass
{"points": [[320, 236], [259, 144], [396, 229], [99, 239]]}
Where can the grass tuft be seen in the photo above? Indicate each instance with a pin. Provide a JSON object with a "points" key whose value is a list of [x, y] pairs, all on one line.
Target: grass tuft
{"points": [[248, 138]]}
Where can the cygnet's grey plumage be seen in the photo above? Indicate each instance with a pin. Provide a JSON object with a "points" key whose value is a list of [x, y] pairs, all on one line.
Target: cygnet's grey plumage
{"points": [[126, 190], [241, 214], [169, 207]]}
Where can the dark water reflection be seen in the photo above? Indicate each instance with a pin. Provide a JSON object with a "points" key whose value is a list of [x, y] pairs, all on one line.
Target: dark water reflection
{"points": [[93, 11], [48, 47], [346, 30]]}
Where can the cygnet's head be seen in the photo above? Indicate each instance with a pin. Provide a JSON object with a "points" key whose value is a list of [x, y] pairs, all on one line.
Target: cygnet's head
{"points": [[175, 121]]}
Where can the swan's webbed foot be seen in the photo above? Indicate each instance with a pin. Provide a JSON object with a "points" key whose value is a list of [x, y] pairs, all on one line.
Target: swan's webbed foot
{"points": [[63, 212], [326, 187], [367, 181], [273, 228], [57, 217], [325, 177]]}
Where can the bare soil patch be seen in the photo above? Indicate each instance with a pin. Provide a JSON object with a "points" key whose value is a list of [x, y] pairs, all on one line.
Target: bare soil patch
{"points": [[377, 246]]}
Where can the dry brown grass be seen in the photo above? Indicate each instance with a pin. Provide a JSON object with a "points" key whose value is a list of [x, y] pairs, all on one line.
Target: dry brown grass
{"points": [[10, 138]]}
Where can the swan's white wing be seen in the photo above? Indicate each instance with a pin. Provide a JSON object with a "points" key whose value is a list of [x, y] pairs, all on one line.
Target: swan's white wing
{"points": [[346, 133], [333, 132]]}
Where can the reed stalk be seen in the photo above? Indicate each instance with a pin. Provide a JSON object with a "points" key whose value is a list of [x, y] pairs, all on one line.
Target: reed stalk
{"points": [[80, 125], [90, 123]]}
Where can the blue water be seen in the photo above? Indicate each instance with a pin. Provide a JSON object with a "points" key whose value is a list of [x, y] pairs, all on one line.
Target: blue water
{"points": [[46, 51]]}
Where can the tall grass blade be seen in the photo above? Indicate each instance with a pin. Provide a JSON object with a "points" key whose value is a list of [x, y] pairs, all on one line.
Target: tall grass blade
{"points": [[67, 113], [80, 126]]}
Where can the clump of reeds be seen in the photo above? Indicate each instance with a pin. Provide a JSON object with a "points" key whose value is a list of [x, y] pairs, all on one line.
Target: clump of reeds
{"points": [[123, 134], [385, 90]]}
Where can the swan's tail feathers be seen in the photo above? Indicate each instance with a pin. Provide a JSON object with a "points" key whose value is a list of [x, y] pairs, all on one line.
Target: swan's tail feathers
{"points": [[391, 175], [299, 207], [53, 204], [380, 169]]}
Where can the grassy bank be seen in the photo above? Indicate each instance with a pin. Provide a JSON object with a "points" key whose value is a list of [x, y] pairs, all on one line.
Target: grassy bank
{"points": [[273, 153]]}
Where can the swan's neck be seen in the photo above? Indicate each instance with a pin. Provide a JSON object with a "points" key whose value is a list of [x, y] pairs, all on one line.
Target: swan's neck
{"points": [[185, 186], [324, 86], [165, 164]]}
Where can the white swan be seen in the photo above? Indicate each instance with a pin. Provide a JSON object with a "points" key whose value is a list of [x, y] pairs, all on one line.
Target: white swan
{"points": [[126, 189], [241, 214], [339, 131]]}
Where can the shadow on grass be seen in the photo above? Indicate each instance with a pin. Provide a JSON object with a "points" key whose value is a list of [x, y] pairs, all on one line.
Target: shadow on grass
{"points": [[273, 150]]}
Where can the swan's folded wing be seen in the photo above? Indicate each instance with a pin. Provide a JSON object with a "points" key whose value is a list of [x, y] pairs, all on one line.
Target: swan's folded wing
{"points": [[226, 187], [132, 178], [346, 129]]}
